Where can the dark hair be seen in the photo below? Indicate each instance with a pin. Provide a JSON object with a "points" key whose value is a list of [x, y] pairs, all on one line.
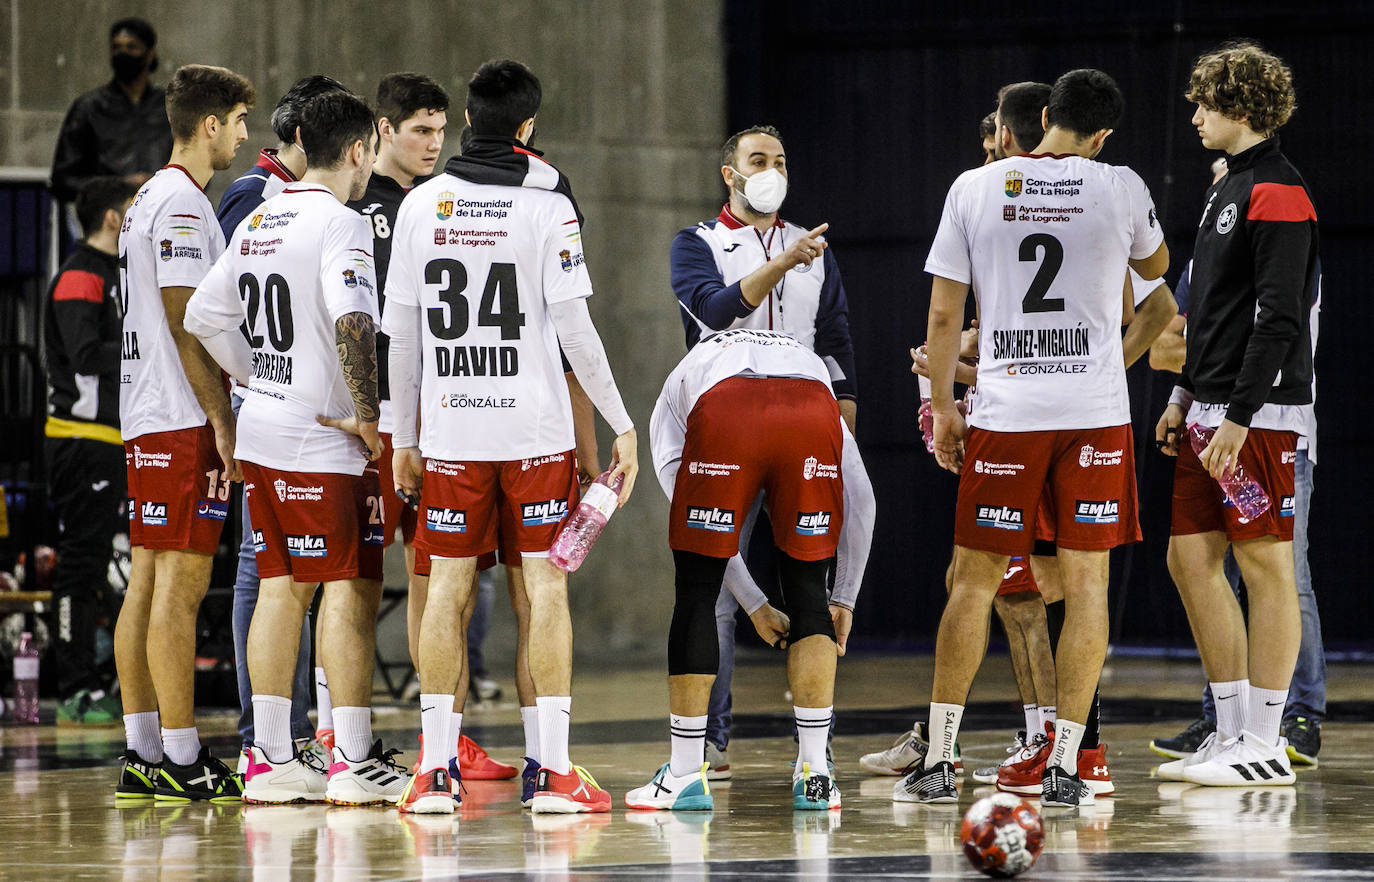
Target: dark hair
{"points": [[287, 115], [1085, 102], [138, 27], [1021, 105], [988, 127], [332, 123], [199, 90], [99, 195], [727, 150], [402, 95], [501, 96]]}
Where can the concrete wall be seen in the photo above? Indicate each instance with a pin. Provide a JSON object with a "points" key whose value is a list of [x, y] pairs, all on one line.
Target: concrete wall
{"points": [[634, 108]]}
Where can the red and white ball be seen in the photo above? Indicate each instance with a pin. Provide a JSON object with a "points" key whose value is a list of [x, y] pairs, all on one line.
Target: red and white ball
{"points": [[1002, 835]]}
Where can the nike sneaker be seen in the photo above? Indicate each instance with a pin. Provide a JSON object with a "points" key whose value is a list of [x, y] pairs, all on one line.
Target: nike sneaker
{"points": [[477, 764]]}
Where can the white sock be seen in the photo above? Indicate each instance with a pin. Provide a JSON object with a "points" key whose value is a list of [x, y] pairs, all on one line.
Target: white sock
{"points": [[272, 727], [455, 731], [555, 713], [1265, 713], [353, 732], [1032, 712], [813, 730], [1231, 698], [182, 746], [322, 705], [1047, 715], [1067, 737], [944, 730], [529, 718], [688, 738], [435, 712], [143, 735]]}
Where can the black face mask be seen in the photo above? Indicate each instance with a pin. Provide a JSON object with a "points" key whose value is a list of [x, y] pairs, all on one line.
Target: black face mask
{"points": [[127, 68]]}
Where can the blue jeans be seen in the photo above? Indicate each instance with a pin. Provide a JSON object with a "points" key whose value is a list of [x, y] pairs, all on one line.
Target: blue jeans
{"points": [[481, 622], [1307, 691]]}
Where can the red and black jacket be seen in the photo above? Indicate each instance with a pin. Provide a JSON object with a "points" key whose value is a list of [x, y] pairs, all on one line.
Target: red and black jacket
{"points": [[1253, 280], [83, 333]]}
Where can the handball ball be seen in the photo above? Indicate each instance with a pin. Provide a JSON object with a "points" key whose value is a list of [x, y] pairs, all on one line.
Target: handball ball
{"points": [[1002, 835]]}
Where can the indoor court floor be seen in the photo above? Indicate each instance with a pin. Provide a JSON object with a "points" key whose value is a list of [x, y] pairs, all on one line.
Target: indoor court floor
{"points": [[58, 818]]}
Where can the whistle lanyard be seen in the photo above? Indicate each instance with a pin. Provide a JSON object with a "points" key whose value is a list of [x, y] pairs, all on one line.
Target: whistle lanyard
{"points": [[782, 283]]}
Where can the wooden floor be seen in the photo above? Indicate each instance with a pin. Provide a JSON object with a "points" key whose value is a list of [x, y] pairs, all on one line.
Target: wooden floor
{"points": [[58, 819]]}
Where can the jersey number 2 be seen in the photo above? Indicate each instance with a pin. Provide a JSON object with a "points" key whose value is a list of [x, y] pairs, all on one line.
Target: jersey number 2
{"points": [[1035, 299]]}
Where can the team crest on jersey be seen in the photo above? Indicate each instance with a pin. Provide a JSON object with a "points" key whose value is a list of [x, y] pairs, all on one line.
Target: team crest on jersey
{"points": [[1227, 219], [440, 235], [244, 247], [280, 486], [1012, 186], [1008, 212], [350, 278], [1085, 456], [565, 258], [165, 249], [255, 222], [814, 468], [444, 210]]}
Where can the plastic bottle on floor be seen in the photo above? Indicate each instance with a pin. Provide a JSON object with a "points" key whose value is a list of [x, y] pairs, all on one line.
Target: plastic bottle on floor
{"points": [[26, 681]]}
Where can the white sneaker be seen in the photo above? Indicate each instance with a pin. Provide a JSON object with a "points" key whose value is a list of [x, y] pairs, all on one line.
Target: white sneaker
{"points": [[718, 760], [1210, 747], [1249, 761], [679, 793], [375, 779], [907, 749], [812, 791], [1020, 749], [269, 783]]}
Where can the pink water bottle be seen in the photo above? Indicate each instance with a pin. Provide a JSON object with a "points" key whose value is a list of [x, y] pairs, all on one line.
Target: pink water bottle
{"points": [[580, 530], [1241, 490], [26, 680]]}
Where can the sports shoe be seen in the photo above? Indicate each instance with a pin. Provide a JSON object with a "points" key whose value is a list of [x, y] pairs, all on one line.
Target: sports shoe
{"points": [[299, 779], [477, 764], [485, 688], [455, 781], [375, 779], [1058, 789], [1304, 740], [528, 778], [1187, 742], [907, 749], [322, 754], [1093, 770], [679, 793], [206, 779], [814, 791], [576, 791], [87, 708], [241, 768], [1020, 749], [935, 786], [137, 777], [1026, 777], [1210, 747], [325, 738], [717, 762], [1247, 761], [428, 793]]}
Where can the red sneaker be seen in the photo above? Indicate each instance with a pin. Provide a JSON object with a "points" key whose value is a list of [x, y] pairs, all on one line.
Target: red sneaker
{"points": [[428, 793], [574, 792], [1092, 768], [1023, 778], [325, 738], [477, 764]]}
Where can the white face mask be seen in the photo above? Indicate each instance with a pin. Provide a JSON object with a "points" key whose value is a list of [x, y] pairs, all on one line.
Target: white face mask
{"points": [[765, 190]]}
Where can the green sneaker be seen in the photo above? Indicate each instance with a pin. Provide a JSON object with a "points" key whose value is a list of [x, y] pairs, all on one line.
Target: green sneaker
{"points": [[87, 708]]}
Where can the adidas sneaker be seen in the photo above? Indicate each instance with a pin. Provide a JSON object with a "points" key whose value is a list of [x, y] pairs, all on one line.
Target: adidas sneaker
{"points": [[374, 779], [1248, 761]]}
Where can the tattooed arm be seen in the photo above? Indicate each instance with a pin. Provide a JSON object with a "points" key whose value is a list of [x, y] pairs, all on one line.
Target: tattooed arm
{"points": [[355, 337]]}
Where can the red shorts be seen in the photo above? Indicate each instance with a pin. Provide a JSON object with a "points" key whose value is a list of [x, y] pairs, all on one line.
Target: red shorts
{"points": [[1200, 507], [464, 503], [315, 526], [1086, 476], [395, 512], [789, 446], [1018, 578], [177, 498]]}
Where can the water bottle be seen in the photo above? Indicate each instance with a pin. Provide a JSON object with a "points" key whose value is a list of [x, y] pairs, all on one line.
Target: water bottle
{"points": [[925, 416], [580, 530], [26, 680], [1241, 490]]}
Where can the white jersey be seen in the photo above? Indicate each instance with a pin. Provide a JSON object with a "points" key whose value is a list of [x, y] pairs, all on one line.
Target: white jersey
{"points": [[483, 262], [295, 266], [1044, 241], [169, 239]]}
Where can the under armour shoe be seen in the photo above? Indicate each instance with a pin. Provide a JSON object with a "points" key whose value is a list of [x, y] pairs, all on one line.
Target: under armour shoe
{"points": [[935, 786], [477, 764], [1026, 778], [574, 792], [814, 791], [1210, 747], [1248, 761], [206, 779], [529, 776], [428, 793], [374, 779], [1093, 769], [137, 777], [910, 747], [718, 762], [1185, 743], [679, 793], [1059, 789], [1304, 740], [298, 779], [1021, 749]]}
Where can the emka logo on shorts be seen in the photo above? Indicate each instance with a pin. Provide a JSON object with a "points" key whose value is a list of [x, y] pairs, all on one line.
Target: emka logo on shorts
{"points": [[259, 543], [550, 511], [446, 520], [813, 523], [1000, 517], [212, 509], [814, 468], [305, 545], [133, 509], [1097, 511], [154, 514], [984, 467], [1286, 506], [717, 520], [1088, 456]]}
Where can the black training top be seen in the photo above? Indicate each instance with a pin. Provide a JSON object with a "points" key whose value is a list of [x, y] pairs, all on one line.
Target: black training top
{"points": [[105, 133]]}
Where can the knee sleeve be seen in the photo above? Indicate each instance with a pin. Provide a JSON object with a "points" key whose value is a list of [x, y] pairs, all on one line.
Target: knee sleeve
{"points": [[804, 588], [693, 647]]}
